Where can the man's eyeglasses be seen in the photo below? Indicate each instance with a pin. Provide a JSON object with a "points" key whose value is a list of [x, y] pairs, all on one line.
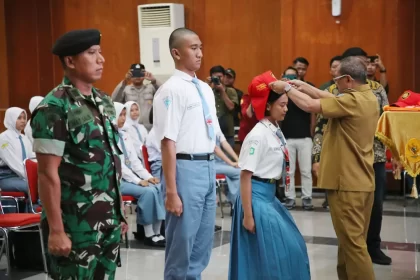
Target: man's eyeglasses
{"points": [[336, 79]]}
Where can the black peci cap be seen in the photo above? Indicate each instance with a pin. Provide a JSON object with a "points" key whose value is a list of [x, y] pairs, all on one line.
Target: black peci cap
{"points": [[76, 41]]}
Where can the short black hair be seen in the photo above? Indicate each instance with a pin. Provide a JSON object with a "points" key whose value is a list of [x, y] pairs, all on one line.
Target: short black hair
{"points": [[176, 35], [217, 69], [353, 51], [301, 60], [335, 58], [272, 97], [290, 68], [355, 68]]}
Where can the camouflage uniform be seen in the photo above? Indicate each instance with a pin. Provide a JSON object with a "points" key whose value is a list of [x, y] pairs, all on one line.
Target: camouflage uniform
{"points": [[82, 130], [378, 146]]}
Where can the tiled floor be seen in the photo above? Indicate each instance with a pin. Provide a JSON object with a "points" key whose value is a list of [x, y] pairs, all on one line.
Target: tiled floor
{"points": [[400, 233]]}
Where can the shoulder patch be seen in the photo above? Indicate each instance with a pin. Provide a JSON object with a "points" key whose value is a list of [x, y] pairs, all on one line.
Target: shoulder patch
{"points": [[4, 146], [332, 89], [374, 85]]}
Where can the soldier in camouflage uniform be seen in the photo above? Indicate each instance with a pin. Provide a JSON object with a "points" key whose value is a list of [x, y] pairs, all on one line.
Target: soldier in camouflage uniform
{"points": [[75, 139], [373, 239]]}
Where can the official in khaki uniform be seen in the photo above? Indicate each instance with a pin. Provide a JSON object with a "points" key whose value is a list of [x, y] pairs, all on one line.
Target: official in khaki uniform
{"points": [[346, 169]]}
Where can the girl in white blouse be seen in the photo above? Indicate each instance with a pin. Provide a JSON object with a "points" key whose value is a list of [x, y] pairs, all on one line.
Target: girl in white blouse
{"points": [[139, 183], [14, 149], [33, 103], [137, 132], [265, 242]]}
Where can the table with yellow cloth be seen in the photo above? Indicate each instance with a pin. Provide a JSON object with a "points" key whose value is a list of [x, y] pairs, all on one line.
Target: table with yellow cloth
{"points": [[399, 129]]}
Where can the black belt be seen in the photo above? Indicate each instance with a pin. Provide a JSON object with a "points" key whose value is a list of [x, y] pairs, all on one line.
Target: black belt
{"points": [[195, 157], [269, 181]]}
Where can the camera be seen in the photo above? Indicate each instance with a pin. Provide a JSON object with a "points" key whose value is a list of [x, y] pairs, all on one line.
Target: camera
{"points": [[215, 80], [137, 73]]}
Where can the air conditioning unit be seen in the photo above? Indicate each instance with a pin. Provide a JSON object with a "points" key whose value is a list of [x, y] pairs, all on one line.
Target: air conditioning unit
{"points": [[156, 23]]}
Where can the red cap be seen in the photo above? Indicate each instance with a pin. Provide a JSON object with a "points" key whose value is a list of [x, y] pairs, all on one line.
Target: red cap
{"points": [[408, 99], [258, 91]]}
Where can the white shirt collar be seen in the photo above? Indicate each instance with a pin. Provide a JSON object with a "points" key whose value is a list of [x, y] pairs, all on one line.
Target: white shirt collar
{"points": [[270, 125], [183, 75]]}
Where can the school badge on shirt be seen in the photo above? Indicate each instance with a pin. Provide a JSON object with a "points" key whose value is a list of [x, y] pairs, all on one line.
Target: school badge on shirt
{"points": [[251, 151], [167, 101]]}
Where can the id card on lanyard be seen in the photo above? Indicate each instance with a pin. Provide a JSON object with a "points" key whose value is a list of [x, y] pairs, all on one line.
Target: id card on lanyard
{"points": [[280, 138]]}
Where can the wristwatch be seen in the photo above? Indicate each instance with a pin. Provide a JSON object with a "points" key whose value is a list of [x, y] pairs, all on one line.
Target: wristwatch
{"points": [[382, 71], [287, 88]]}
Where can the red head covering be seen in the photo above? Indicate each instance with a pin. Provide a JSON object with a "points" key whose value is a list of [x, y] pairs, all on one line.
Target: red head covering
{"points": [[258, 91], [407, 99]]}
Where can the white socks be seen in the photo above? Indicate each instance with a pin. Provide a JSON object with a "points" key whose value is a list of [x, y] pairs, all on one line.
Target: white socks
{"points": [[148, 231], [153, 230]]}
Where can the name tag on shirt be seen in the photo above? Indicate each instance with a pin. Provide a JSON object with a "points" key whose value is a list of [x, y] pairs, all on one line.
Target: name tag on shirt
{"points": [[79, 116], [193, 105]]}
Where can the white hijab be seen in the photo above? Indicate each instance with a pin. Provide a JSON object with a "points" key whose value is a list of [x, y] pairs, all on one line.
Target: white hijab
{"points": [[128, 120], [119, 107], [11, 116], [34, 102]]}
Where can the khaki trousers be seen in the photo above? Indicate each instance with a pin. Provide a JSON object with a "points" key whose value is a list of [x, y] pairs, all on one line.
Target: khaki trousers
{"points": [[350, 213]]}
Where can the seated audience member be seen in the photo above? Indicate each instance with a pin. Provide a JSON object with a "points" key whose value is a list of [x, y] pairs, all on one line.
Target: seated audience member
{"points": [[138, 91], [375, 62], [33, 103], [154, 152], [136, 131], [139, 183], [227, 167], [14, 149]]}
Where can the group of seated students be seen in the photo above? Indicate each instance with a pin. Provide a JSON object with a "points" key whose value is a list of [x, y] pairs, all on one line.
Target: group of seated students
{"points": [[16, 146]]}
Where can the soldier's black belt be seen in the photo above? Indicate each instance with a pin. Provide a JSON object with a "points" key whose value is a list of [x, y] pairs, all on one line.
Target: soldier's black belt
{"points": [[195, 157], [269, 181]]}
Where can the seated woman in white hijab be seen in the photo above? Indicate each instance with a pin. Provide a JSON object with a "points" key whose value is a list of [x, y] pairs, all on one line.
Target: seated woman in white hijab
{"points": [[153, 151], [227, 167], [14, 149], [137, 182], [33, 103], [137, 131]]}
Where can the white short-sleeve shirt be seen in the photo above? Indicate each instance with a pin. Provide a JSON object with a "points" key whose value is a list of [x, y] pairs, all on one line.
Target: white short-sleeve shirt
{"points": [[178, 114], [262, 152]]}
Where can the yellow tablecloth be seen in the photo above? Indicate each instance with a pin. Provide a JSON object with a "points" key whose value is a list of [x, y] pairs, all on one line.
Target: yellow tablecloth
{"points": [[400, 132]]}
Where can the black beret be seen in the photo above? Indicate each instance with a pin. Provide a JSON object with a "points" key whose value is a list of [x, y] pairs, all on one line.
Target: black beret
{"points": [[76, 41]]}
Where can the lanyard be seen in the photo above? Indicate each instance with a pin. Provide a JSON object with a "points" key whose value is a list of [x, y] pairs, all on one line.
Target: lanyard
{"points": [[279, 137]]}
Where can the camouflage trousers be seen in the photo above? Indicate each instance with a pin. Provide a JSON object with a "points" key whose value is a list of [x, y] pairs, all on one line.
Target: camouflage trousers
{"points": [[94, 256]]}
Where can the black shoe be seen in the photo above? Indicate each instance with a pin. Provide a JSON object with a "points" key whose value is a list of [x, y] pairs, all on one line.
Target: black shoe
{"points": [[148, 241], [379, 257], [217, 228]]}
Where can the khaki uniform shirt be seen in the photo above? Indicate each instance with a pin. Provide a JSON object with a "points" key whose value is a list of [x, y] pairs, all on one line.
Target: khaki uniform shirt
{"points": [[347, 163], [226, 117], [143, 96], [378, 146]]}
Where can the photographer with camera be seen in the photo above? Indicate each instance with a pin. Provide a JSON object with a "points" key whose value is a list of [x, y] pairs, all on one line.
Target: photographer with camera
{"points": [[138, 92], [226, 100]]}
